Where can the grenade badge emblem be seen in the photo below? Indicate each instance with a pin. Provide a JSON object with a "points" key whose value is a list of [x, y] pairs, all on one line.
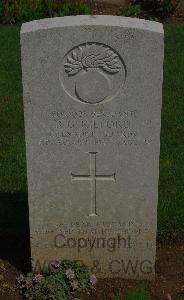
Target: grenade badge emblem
{"points": [[89, 71]]}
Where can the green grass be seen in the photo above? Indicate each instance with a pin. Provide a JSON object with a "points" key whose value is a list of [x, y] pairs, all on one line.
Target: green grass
{"points": [[132, 294], [138, 294], [171, 187], [13, 186], [12, 141]]}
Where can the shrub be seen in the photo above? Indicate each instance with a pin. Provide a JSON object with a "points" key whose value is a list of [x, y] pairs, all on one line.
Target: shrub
{"points": [[135, 10], [18, 11], [63, 280], [148, 9], [132, 10], [157, 8]]}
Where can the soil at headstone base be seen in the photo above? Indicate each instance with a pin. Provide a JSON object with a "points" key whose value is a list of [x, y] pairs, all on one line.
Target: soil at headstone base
{"points": [[169, 276]]}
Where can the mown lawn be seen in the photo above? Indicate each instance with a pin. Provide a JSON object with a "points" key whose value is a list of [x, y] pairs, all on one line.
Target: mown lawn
{"points": [[171, 184], [13, 186]]}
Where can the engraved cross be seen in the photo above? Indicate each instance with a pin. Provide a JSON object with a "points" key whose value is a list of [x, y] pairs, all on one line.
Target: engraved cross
{"points": [[92, 178]]}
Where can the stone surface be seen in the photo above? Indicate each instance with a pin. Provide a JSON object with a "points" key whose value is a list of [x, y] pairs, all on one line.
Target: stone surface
{"points": [[92, 98]]}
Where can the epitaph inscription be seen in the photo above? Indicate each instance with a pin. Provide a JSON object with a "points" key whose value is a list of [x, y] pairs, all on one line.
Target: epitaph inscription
{"points": [[92, 100]]}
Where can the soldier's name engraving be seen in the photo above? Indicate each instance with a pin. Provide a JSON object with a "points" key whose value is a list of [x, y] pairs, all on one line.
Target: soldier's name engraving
{"points": [[97, 127]]}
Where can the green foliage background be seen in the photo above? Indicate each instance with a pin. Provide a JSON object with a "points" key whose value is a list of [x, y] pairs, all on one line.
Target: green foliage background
{"points": [[18, 11]]}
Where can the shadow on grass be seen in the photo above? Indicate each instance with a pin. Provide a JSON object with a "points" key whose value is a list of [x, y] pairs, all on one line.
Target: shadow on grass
{"points": [[14, 230]]}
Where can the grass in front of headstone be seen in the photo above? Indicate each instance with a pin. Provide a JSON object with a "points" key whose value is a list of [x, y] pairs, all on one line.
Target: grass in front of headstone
{"points": [[61, 282], [12, 141], [132, 294], [137, 293], [118, 295]]}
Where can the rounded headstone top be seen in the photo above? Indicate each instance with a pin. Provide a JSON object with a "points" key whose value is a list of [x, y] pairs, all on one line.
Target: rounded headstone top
{"points": [[92, 20]]}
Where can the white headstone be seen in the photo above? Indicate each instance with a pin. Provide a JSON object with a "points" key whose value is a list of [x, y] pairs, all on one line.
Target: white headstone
{"points": [[92, 97]]}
